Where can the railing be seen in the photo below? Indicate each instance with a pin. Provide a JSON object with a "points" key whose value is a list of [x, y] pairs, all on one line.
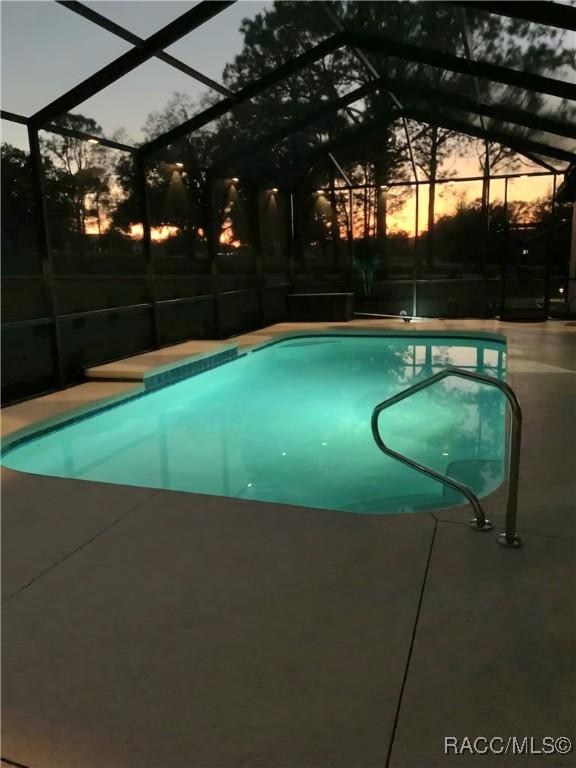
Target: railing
{"points": [[510, 537]]}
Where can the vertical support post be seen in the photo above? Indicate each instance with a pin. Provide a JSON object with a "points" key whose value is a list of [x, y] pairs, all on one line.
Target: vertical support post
{"points": [[334, 234], [485, 208], [417, 215], [432, 172], [299, 250], [344, 264], [141, 186], [39, 194], [500, 369], [350, 265], [416, 242], [480, 360], [291, 240], [256, 230], [549, 248], [504, 252], [212, 247]]}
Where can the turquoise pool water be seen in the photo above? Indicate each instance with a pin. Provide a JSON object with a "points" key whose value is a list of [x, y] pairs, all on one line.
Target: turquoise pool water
{"points": [[291, 423]]}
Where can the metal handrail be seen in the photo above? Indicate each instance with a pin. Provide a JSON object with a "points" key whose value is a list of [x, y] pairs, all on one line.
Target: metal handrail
{"points": [[510, 538]]}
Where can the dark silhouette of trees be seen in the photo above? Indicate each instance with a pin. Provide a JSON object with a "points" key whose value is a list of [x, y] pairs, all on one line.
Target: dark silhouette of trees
{"points": [[84, 182], [84, 165], [275, 35], [17, 202]]}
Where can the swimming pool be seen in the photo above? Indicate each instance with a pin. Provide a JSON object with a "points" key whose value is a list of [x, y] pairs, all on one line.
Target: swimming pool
{"points": [[290, 422]]}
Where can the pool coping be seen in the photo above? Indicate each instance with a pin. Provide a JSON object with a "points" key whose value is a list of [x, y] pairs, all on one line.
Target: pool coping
{"points": [[444, 686], [174, 373]]}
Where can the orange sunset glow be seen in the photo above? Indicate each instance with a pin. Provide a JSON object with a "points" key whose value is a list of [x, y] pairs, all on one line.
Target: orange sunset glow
{"points": [[401, 208], [136, 232], [227, 238], [157, 234], [448, 196]]}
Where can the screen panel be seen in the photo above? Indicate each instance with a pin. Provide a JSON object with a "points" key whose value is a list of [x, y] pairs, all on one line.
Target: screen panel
{"points": [[34, 34]]}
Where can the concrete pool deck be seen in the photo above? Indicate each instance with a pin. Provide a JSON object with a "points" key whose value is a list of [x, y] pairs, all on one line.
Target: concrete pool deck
{"points": [[148, 628]]}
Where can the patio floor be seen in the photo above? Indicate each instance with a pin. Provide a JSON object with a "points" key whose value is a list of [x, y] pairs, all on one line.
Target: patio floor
{"points": [[149, 628]]}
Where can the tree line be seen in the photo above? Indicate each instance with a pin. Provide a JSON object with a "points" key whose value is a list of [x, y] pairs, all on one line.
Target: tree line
{"points": [[91, 189]]}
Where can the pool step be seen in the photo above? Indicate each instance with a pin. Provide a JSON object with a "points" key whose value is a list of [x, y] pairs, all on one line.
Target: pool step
{"points": [[474, 473], [136, 367]]}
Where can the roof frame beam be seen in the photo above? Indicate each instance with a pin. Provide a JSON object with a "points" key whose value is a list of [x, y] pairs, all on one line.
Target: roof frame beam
{"points": [[440, 96], [374, 42], [245, 94], [521, 145], [340, 170], [475, 68], [539, 161], [294, 126], [110, 143], [13, 117], [547, 13], [304, 160], [448, 98], [110, 26], [124, 64], [517, 143], [61, 130], [361, 56], [342, 142]]}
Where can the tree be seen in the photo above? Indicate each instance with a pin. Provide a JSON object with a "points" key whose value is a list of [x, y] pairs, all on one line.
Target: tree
{"points": [[17, 201], [84, 165], [431, 148], [521, 45], [272, 38], [18, 207], [509, 42], [281, 32]]}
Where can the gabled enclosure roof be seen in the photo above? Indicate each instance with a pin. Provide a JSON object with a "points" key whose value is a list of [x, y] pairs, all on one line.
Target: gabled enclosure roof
{"points": [[550, 136]]}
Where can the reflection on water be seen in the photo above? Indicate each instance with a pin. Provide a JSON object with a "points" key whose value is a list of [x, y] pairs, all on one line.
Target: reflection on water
{"points": [[291, 423]]}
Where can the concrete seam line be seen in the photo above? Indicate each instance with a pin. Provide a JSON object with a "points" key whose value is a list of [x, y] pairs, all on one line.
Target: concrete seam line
{"points": [[13, 762], [411, 648], [80, 547]]}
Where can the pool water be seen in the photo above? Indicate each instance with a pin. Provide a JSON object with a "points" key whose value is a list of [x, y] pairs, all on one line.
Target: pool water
{"points": [[290, 423]]}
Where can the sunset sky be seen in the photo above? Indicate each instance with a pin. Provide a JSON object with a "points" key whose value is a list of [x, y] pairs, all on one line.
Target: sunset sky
{"points": [[42, 60], [528, 189]]}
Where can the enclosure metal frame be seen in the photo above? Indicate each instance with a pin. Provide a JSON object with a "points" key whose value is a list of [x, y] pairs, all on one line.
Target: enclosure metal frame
{"points": [[119, 31], [143, 49], [542, 12], [549, 14]]}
